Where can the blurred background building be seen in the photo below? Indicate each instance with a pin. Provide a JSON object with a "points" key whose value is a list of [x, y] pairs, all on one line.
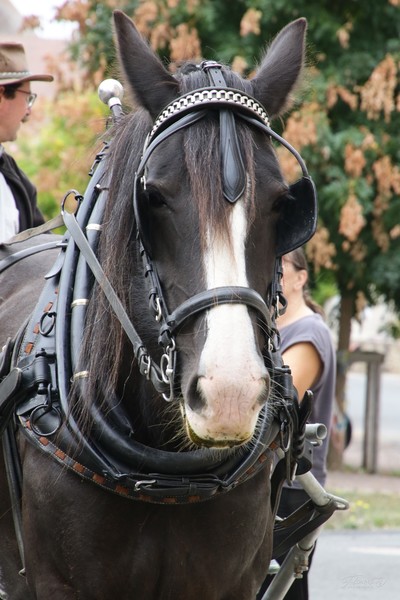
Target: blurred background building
{"points": [[45, 55]]}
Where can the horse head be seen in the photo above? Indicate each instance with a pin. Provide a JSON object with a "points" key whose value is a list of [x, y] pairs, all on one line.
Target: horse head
{"points": [[204, 211]]}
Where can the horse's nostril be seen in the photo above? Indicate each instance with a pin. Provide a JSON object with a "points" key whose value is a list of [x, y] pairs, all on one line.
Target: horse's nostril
{"points": [[194, 396]]}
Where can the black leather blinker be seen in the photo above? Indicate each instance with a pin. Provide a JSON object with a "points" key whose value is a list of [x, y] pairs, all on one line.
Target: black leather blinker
{"points": [[298, 217]]}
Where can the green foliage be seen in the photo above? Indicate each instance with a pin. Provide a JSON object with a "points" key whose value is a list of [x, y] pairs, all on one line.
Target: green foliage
{"points": [[368, 511], [324, 287], [93, 50], [57, 153], [352, 95]]}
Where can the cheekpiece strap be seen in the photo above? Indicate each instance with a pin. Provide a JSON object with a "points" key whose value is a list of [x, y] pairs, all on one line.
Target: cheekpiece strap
{"points": [[278, 300]]}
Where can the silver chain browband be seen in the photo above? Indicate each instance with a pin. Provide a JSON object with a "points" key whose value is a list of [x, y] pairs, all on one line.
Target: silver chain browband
{"points": [[201, 98]]}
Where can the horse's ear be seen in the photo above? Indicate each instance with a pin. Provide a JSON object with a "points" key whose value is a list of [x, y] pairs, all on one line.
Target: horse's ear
{"points": [[151, 84], [281, 68]]}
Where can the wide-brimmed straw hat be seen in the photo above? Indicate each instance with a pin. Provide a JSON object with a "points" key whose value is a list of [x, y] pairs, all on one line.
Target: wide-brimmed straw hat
{"points": [[14, 66]]}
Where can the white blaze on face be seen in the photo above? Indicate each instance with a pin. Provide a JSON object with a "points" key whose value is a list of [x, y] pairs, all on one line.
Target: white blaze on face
{"points": [[232, 374]]}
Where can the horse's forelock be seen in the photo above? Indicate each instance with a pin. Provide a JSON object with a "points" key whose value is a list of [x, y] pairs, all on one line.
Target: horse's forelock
{"points": [[202, 155]]}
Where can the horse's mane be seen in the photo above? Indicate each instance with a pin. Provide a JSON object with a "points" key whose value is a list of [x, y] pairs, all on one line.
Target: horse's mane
{"points": [[104, 341]]}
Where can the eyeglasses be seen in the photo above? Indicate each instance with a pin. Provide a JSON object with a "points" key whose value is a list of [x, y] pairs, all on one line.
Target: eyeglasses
{"points": [[30, 97]]}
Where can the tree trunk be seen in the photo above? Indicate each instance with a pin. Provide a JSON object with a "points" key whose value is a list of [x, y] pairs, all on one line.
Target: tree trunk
{"points": [[337, 439]]}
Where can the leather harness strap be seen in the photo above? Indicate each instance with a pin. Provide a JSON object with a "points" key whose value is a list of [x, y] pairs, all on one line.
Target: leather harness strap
{"points": [[10, 260], [34, 231], [150, 371], [232, 167]]}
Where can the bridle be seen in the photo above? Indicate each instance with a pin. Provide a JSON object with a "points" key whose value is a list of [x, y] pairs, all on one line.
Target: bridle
{"points": [[181, 113], [301, 205], [296, 226], [184, 111]]}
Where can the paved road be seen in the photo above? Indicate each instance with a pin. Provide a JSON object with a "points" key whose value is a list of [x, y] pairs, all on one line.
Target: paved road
{"points": [[356, 565], [361, 565]]}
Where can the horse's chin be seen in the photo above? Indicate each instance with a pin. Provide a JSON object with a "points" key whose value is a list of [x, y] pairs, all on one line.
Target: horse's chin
{"points": [[222, 444]]}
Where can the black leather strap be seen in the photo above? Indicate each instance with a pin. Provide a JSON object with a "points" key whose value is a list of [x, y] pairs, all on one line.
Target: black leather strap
{"points": [[34, 231], [149, 369], [14, 479], [222, 295], [304, 520], [17, 256], [233, 171]]}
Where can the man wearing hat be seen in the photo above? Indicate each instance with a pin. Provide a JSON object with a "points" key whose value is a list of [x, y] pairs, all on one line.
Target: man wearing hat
{"points": [[18, 202]]}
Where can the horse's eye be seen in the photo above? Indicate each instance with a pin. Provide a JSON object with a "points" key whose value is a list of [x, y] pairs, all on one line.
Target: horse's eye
{"points": [[155, 198], [281, 195]]}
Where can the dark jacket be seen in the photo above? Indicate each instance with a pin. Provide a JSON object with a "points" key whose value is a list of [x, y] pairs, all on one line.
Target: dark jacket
{"points": [[24, 193]]}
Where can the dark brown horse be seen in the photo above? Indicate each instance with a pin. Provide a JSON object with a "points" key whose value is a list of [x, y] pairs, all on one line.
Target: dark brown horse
{"points": [[21, 281], [146, 498]]}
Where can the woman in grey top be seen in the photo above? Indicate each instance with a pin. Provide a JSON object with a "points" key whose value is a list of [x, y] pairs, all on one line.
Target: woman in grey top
{"points": [[307, 347]]}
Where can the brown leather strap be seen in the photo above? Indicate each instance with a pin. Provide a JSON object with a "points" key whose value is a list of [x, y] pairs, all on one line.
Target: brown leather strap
{"points": [[57, 221]]}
